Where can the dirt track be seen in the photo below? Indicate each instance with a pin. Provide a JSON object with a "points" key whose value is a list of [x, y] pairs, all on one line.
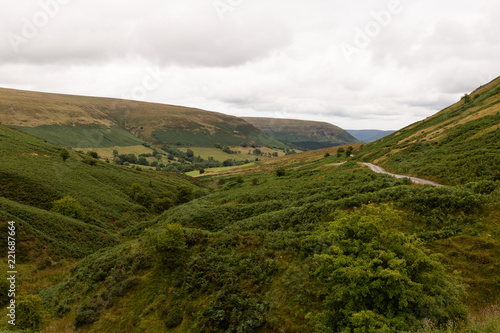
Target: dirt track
{"points": [[378, 169]]}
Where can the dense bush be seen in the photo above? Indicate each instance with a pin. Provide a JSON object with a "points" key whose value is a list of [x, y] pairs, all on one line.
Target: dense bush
{"points": [[167, 245], [30, 313], [70, 207], [379, 279]]}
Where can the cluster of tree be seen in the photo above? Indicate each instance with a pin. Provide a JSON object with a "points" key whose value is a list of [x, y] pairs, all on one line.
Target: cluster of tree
{"points": [[226, 149], [162, 201], [347, 152], [177, 160]]}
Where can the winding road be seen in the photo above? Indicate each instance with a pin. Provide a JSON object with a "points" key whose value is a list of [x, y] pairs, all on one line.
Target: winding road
{"points": [[378, 169]]}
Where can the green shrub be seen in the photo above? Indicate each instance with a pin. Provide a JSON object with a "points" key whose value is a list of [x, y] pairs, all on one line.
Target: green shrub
{"points": [[4, 291], [64, 154], [90, 161], [280, 172], [70, 207], [85, 317], [174, 317], [377, 277], [184, 194], [168, 245], [93, 154], [30, 313]]}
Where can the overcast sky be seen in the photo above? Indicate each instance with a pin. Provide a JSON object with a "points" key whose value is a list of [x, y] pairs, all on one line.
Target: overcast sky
{"points": [[358, 64]]}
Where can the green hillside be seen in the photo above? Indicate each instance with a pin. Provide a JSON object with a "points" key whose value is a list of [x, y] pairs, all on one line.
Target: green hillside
{"points": [[312, 250], [33, 175], [301, 134], [457, 145], [308, 242], [80, 121]]}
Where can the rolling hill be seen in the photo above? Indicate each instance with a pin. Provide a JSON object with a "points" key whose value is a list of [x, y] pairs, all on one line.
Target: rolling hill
{"points": [[456, 145], [81, 122], [308, 242], [302, 134], [33, 175]]}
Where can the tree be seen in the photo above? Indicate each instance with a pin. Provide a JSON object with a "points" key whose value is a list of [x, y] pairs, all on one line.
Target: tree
{"points": [[70, 207], [466, 98], [340, 151], [189, 153], [326, 155], [184, 194], [93, 154], [349, 151], [280, 172], [64, 154], [257, 152], [142, 161], [377, 278], [167, 245], [115, 152]]}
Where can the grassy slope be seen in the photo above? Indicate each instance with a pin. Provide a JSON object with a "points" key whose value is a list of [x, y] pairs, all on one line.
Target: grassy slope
{"points": [[165, 124], [303, 134], [33, 175], [249, 248], [459, 144]]}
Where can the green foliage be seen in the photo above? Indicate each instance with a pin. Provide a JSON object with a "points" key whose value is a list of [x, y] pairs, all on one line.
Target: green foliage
{"points": [[184, 194], [173, 317], [377, 277], [93, 154], [280, 172], [30, 313], [4, 291], [70, 207], [90, 161], [167, 245], [64, 154], [326, 155]]}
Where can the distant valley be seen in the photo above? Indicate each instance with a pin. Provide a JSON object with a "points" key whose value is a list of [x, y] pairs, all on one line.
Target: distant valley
{"points": [[368, 135]]}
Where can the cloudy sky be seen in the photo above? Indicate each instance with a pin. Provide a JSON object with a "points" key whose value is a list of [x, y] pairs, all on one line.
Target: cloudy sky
{"points": [[359, 64]]}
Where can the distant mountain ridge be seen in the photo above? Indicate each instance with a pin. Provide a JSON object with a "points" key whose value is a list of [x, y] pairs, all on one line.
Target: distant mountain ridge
{"points": [[75, 121], [303, 134], [368, 135]]}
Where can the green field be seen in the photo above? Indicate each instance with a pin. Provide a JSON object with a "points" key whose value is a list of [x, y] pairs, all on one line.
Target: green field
{"points": [[214, 170], [108, 152]]}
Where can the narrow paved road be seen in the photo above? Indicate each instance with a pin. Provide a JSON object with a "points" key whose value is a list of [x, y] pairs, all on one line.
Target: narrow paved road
{"points": [[378, 169]]}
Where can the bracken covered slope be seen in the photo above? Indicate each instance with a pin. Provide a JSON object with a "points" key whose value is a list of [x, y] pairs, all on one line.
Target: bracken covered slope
{"points": [[456, 145]]}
